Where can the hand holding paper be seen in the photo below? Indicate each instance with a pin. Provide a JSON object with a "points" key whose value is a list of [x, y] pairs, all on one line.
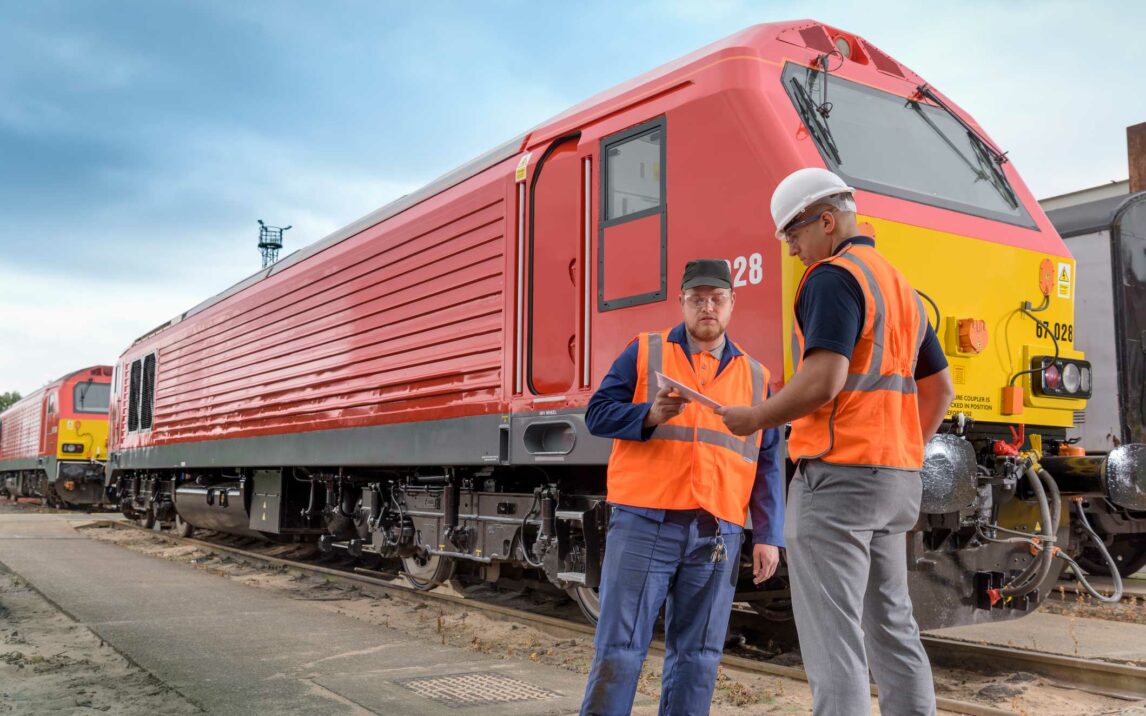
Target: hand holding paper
{"points": [[685, 392]]}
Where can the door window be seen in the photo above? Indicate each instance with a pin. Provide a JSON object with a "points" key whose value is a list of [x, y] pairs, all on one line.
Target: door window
{"points": [[632, 254]]}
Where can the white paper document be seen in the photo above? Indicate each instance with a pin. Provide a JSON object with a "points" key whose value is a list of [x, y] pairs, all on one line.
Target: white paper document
{"points": [[686, 392]]}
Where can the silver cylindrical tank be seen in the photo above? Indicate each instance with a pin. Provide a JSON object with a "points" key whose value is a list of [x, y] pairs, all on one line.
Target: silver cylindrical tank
{"points": [[221, 507]]}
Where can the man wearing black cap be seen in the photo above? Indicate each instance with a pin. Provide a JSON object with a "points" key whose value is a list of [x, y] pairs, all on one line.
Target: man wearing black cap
{"points": [[681, 486]]}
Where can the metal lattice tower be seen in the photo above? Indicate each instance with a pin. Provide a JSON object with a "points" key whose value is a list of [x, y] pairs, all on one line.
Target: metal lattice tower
{"points": [[270, 242]]}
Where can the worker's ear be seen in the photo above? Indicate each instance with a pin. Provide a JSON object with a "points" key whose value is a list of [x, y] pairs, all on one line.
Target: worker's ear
{"points": [[829, 222]]}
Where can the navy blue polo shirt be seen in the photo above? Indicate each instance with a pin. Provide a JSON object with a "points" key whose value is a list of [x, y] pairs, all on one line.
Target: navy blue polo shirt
{"points": [[613, 414], [831, 311]]}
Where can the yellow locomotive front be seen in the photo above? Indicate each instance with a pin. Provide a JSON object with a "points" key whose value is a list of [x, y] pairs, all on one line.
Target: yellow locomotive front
{"points": [[1002, 484], [77, 441]]}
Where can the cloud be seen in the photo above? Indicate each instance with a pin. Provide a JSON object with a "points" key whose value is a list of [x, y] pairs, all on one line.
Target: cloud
{"points": [[75, 321]]}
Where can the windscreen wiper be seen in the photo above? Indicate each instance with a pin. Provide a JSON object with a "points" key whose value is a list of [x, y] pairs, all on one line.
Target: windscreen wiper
{"points": [[924, 90], [987, 161], [816, 124]]}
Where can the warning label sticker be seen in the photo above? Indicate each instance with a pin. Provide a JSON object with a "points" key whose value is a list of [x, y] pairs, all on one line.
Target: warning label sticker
{"points": [[1063, 276], [969, 404], [522, 165]]}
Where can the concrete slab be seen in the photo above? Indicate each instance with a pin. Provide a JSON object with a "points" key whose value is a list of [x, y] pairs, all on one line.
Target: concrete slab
{"points": [[234, 649], [1069, 636], [1132, 586]]}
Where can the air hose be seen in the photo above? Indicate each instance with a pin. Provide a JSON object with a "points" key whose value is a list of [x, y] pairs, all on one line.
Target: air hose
{"points": [[1031, 577], [1041, 544], [1116, 595]]}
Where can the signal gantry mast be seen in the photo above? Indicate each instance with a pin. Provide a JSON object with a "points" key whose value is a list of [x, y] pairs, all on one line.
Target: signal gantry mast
{"points": [[270, 242]]}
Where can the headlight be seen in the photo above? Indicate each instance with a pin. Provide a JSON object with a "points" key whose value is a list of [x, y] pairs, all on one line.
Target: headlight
{"points": [[1062, 378], [1071, 378], [73, 448]]}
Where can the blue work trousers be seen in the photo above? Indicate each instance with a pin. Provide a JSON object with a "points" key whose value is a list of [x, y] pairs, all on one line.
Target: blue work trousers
{"points": [[648, 563]]}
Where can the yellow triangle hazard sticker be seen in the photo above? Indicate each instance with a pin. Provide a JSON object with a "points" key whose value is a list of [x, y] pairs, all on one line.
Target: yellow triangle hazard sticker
{"points": [[1064, 271]]}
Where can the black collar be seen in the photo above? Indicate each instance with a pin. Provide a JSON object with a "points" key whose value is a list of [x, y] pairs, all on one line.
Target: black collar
{"points": [[856, 240]]}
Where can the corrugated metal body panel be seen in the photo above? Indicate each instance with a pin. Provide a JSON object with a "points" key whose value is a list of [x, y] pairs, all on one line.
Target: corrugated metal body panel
{"points": [[470, 169], [20, 434], [400, 322]]}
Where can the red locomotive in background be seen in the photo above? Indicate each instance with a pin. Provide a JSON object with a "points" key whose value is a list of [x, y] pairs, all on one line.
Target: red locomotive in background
{"points": [[54, 441], [414, 384]]}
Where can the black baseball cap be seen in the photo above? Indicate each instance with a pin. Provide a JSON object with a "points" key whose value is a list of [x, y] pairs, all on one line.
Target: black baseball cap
{"points": [[706, 272]]}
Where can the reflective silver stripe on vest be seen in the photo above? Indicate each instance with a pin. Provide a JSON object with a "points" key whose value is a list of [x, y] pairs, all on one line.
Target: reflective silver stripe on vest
{"points": [[656, 364], [923, 323], [795, 346], [757, 379], [867, 383], [744, 447], [873, 380], [878, 334]]}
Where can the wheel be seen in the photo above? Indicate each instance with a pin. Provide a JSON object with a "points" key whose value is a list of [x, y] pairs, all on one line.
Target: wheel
{"points": [[426, 571], [589, 600], [1127, 550], [182, 527]]}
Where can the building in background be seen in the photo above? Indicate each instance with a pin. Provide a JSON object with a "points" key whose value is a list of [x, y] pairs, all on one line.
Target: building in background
{"points": [[1105, 229]]}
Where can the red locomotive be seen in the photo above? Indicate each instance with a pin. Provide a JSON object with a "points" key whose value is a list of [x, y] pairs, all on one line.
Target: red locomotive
{"points": [[54, 441], [414, 384]]}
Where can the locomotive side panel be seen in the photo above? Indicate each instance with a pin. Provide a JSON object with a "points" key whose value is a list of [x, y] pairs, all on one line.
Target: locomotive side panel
{"points": [[21, 430], [21, 436], [403, 321]]}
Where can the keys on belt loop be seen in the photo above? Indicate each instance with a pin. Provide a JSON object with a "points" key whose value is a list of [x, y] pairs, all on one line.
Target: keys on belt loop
{"points": [[719, 554]]}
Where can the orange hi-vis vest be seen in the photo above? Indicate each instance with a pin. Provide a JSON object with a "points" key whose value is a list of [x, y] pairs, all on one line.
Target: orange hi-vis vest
{"points": [[875, 418], [691, 460]]}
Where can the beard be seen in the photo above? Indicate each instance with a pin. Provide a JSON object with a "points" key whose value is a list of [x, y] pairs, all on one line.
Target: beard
{"points": [[706, 330]]}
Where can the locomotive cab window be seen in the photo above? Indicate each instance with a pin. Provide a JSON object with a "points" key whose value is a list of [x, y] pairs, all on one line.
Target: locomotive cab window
{"points": [[908, 148], [632, 257], [90, 397]]}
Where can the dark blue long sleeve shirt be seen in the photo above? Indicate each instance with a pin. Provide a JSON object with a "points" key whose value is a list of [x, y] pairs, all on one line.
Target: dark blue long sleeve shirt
{"points": [[613, 414]]}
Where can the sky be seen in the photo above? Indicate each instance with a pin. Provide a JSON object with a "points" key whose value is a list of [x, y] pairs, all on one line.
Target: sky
{"points": [[140, 140]]}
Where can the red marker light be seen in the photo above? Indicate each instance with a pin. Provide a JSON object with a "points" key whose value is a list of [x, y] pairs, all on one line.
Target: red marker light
{"points": [[1051, 377]]}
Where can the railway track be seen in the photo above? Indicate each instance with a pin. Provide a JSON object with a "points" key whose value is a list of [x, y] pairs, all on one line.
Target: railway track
{"points": [[1095, 676]]}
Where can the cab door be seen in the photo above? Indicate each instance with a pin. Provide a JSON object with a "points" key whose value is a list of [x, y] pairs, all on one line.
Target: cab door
{"points": [[556, 269], [51, 423]]}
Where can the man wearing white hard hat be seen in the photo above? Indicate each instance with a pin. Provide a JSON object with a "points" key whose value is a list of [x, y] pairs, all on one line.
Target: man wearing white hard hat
{"points": [[871, 387]]}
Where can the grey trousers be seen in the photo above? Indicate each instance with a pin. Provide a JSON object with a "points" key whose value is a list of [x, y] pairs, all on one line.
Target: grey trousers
{"points": [[844, 530]]}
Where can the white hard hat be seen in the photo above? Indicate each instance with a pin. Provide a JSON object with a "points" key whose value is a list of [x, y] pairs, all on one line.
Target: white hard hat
{"points": [[801, 189]]}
